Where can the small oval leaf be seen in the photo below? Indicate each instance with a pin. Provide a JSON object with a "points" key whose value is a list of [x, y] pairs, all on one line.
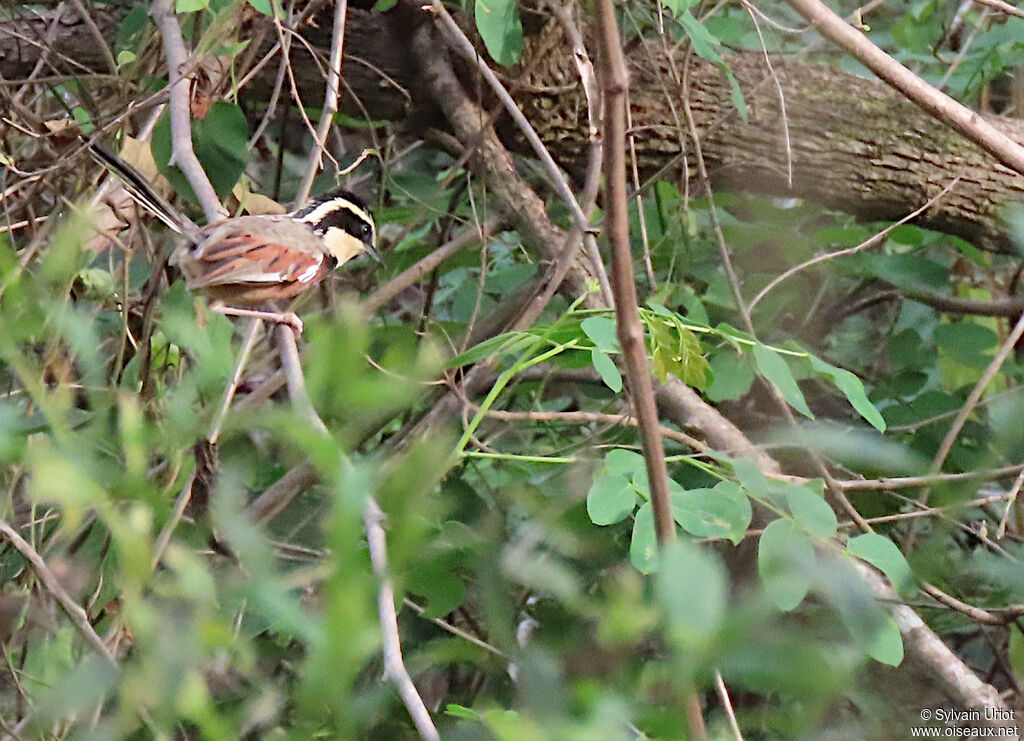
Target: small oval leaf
{"points": [[883, 554], [811, 511], [888, 646], [500, 28], [611, 499], [692, 588], [784, 552], [607, 369], [777, 372], [643, 548]]}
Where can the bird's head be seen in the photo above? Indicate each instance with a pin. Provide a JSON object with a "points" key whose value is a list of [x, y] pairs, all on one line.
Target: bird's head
{"points": [[343, 222]]}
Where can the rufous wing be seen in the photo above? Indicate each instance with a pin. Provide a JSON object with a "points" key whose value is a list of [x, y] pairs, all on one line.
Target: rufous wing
{"points": [[249, 259]]}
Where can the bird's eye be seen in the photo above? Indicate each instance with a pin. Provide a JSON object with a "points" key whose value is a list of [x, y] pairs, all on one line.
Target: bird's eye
{"points": [[366, 230]]}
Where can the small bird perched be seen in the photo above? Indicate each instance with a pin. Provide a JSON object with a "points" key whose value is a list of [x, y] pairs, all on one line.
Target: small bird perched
{"points": [[247, 263]]}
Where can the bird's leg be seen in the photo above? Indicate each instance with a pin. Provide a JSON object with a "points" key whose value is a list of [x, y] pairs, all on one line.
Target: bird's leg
{"points": [[289, 318]]}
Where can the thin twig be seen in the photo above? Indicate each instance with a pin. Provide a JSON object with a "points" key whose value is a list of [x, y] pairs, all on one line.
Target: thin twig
{"points": [[908, 482], [600, 418], [330, 100], [78, 616], [408, 277], [705, 179], [394, 666], [926, 97], [280, 494], [461, 43], [778, 88], [275, 92], [979, 388], [292, 367], [229, 391], [866, 244], [726, 702], [615, 81], [454, 630], [1011, 499], [1003, 7], [90, 23], [965, 411], [182, 153]]}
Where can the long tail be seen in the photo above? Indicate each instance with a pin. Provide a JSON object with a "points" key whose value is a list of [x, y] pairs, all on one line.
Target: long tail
{"points": [[142, 191]]}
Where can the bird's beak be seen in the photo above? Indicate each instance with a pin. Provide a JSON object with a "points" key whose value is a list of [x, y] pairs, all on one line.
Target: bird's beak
{"points": [[371, 250]]}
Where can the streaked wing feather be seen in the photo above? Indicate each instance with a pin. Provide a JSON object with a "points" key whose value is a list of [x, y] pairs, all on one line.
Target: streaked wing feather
{"points": [[244, 258]]}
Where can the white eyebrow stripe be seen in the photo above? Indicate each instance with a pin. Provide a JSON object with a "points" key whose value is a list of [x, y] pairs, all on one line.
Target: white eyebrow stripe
{"points": [[328, 207]]}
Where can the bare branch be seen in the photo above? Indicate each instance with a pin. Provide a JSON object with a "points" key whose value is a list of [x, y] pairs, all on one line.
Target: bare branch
{"points": [[292, 367], [182, 153], [938, 104], [409, 276], [394, 666], [74, 611], [460, 43], [615, 81], [331, 97]]}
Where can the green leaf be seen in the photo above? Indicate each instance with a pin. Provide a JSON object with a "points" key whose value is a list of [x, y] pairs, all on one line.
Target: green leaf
{"points": [[731, 376], [1015, 652], [737, 494], [783, 555], [263, 6], [883, 554], [643, 547], [508, 343], [967, 342], [611, 499], [692, 588], [625, 463], [437, 579], [778, 374], [736, 93], [500, 28], [888, 645], [852, 389], [221, 144], [811, 510], [752, 479], [675, 349], [607, 369], [909, 271], [704, 44], [190, 6], [601, 331], [712, 513]]}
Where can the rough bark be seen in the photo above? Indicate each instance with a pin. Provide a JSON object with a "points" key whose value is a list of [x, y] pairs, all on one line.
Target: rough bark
{"points": [[856, 145]]}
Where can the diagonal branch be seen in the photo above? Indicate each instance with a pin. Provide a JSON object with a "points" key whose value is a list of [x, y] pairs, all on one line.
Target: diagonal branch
{"points": [[928, 98], [182, 153]]}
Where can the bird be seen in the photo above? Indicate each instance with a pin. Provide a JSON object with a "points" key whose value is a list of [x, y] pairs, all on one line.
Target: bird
{"points": [[246, 264]]}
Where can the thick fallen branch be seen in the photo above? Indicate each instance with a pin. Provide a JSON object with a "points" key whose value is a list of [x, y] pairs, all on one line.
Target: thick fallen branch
{"points": [[856, 145]]}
